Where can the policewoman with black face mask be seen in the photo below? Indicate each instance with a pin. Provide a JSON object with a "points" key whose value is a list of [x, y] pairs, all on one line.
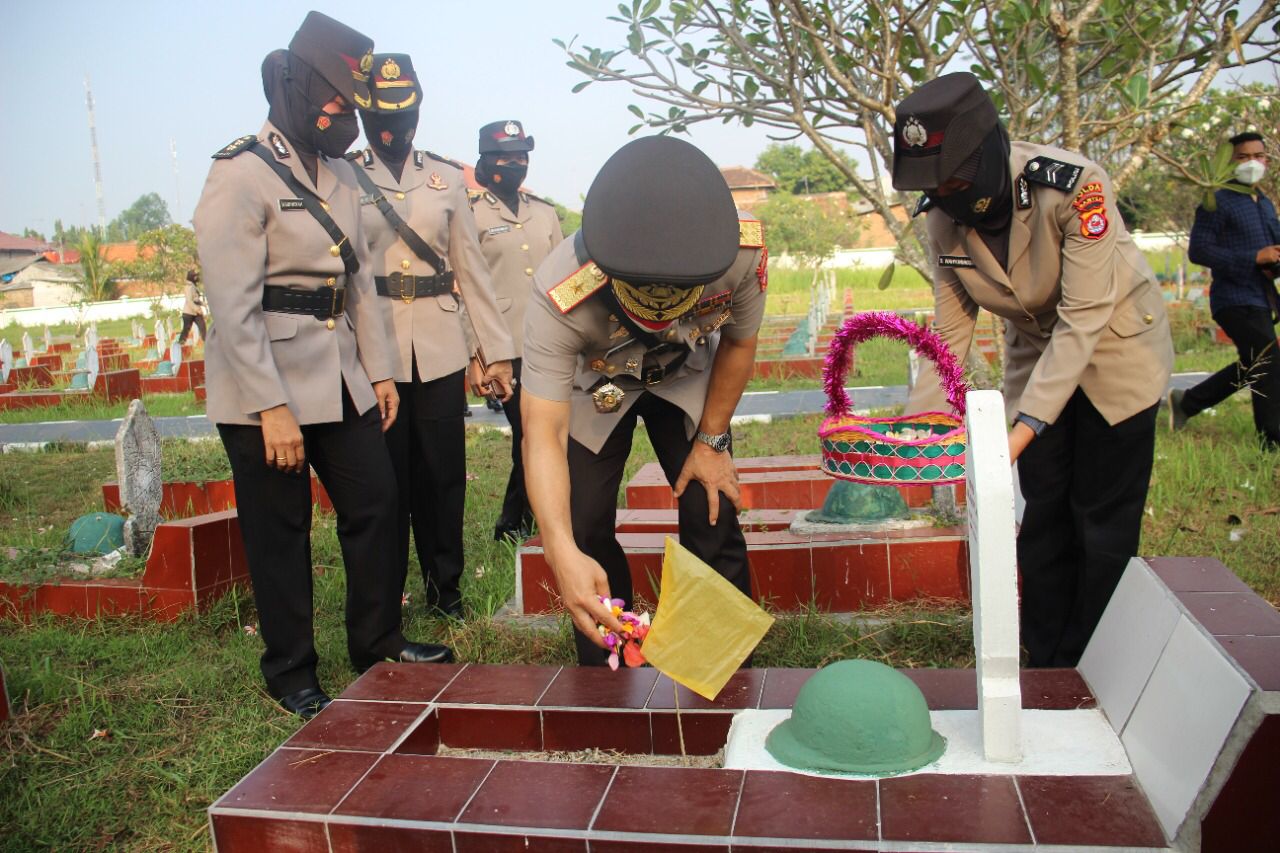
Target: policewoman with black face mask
{"points": [[422, 241], [1032, 234], [298, 369], [517, 231]]}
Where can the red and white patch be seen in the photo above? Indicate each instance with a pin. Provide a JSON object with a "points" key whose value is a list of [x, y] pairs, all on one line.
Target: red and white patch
{"points": [[1093, 224], [1091, 204]]}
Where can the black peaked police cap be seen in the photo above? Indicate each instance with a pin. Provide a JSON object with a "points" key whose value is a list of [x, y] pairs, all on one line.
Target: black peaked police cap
{"points": [[339, 54], [937, 127], [660, 212], [498, 137], [395, 85]]}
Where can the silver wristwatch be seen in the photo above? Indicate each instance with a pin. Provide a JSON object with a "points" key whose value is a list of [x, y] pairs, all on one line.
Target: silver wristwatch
{"points": [[719, 443]]}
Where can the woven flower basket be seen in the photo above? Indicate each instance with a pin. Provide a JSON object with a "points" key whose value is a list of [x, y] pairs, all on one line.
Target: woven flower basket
{"points": [[927, 448]]}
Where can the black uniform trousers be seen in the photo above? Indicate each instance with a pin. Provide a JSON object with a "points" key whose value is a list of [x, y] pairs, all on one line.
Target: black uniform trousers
{"points": [[1252, 331], [1085, 483], [428, 451], [516, 515], [350, 458], [593, 503], [189, 320]]}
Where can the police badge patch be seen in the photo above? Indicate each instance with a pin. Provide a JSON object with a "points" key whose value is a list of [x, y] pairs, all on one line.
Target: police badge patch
{"points": [[1091, 206]]}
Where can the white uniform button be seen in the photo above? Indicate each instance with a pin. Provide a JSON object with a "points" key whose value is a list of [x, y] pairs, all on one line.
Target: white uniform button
{"points": [[528, 270]]}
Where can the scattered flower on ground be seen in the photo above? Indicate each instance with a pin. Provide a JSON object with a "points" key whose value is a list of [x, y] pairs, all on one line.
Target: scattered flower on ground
{"points": [[627, 643], [251, 630]]}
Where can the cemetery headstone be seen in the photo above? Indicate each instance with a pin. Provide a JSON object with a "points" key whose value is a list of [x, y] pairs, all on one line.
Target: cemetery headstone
{"points": [[195, 335], [138, 473], [91, 365], [175, 354], [28, 348], [162, 336], [993, 575], [48, 339], [6, 360]]}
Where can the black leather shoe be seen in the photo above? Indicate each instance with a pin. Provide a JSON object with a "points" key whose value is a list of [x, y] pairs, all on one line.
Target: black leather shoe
{"points": [[306, 703], [426, 653]]}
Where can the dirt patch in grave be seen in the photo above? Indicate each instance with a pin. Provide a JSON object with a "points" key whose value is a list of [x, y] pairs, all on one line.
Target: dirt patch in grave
{"points": [[590, 756]]}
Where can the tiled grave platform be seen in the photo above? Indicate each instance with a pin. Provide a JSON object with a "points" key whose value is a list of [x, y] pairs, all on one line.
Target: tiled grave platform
{"points": [[113, 386], [189, 375], [190, 497], [193, 562]]}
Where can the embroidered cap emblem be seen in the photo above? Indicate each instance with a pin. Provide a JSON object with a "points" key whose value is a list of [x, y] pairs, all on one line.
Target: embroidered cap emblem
{"points": [[390, 70], [913, 133], [982, 204], [511, 129]]}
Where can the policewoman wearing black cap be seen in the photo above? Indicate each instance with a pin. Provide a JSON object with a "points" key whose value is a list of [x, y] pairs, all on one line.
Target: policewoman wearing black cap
{"points": [[422, 241], [517, 231], [650, 311], [1032, 233], [298, 370]]}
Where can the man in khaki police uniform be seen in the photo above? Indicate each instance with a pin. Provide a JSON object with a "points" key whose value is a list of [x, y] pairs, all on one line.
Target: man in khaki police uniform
{"points": [[193, 308], [422, 239], [298, 368], [651, 310], [517, 231], [1033, 234]]}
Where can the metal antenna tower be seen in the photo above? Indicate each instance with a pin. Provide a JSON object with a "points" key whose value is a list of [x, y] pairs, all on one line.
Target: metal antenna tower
{"points": [[97, 161], [177, 184]]}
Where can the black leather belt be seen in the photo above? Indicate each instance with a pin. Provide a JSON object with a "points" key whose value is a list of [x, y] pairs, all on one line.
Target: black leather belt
{"points": [[322, 304], [409, 287], [654, 371]]}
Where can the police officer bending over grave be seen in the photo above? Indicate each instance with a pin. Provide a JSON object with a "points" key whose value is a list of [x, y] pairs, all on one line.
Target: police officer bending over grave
{"points": [[651, 310], [298, 370], [1032, 234]]}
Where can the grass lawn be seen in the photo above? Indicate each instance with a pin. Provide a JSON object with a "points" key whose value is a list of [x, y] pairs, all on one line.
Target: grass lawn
{"points": [[183, 706], [97, 409]]}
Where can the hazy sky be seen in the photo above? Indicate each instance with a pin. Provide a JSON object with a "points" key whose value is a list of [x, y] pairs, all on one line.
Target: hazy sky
{"points": [[189, 73]]}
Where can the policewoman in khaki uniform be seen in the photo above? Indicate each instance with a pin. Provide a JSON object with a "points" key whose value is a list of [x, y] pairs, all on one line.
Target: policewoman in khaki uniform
{"points": [[650, 311], [517, 231], [422, 240], [193, 308], [1032, 234], [298, 368]]}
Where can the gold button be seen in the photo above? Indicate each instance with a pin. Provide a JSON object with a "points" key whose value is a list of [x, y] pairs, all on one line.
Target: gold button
{"points": [[528, 270], [335, 251], [324, 204], [1147, 318], [400, 196], [525, 246], [632, 364], [331, 281], [611, 369], [598, 364], [519, 225], [404, 265], [702, 342], [329, 324]]}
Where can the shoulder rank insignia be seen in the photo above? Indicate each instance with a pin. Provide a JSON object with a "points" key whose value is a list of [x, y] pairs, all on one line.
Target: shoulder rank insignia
{"points": [[417, 156], [1052, 173], [241, 145], [417, 159], [922, 206], [569, 293], [473, 196], [750, 233], [1022, 193], [366, 157], [277, 143]]}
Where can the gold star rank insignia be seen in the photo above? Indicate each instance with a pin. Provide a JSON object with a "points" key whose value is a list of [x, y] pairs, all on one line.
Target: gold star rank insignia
{"points": [[587, 280]]}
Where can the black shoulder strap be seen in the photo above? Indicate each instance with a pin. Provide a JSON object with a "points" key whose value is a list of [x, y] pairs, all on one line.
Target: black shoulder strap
{"points": [[312, 204], [407, 234]]}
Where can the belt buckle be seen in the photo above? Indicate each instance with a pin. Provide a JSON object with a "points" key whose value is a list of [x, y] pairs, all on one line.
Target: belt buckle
{"points": [[339, 305], [411, 280], [652, 374]]}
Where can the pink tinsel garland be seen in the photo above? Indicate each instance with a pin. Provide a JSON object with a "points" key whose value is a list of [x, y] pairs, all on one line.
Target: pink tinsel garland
{"points": [[862, 327]]}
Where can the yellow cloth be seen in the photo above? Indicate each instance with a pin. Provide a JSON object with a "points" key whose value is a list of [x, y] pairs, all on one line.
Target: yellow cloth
{"points": [[704, 628]]}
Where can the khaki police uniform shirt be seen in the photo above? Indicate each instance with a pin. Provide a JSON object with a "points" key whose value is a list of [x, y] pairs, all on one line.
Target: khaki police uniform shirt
{"points": [[432, 199], [251, 232], [193, 302], [1081, 306], [568, 352], [514, 245]]}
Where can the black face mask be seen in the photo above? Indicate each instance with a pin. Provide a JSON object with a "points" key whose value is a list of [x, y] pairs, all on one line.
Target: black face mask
{"points": [[296, 94], [333, 134], [988, 198], [502, 181], [391, 134], [510, 177]]}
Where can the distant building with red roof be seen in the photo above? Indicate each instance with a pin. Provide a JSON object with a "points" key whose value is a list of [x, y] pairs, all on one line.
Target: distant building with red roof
{"points": [[747, 186]]}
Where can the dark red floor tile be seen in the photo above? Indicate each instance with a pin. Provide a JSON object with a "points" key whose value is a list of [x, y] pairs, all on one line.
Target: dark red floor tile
{"points": [[169, 563], [781, 686], [241, 834], [1258, 656], [166, 605], [491, 842], [670, 800], [704, 732], [946, 689], [211, 560], [424, 739], [364, 726], [850, 576], [363, 838], [416, 787], [959, 809], [782, 578], [1055, 690], [1195, 574], [539, 793], [788, 805], [113, 597], [490, 728], [1108, 811], [742, 690], [299, 780], [484, 684], [402, 682], [598, 687], [930, 569], [62, 599], [1244, 815], [1242, 614], [625, 731], [651, 846]]}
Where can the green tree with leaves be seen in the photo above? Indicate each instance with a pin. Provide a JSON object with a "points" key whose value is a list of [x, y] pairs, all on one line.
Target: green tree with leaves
{"points": [[801, 171], [804, 230], [164, 256], [148, 213], [96, 282]]}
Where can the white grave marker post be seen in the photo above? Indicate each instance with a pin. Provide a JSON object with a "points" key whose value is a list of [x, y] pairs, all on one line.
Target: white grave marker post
{"points": [[6, 360], [28, 348], [993, 572], [91, 366], [162, 340], [138, 473], [195, 335], [48, 339], [175, 356]]}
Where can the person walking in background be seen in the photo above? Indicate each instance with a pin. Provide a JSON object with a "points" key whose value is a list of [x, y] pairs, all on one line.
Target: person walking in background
{"points": [[422, 242], [1239, 242], [298, 368], [517, 231], [193, 308]]}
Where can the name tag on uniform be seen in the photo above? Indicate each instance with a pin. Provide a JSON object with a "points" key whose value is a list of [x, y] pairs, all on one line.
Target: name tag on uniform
{"points": [[498, 229], [292, 204], [955, 261], [716, 301]]}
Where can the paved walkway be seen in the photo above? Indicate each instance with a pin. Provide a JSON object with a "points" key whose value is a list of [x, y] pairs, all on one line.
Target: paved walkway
{"points": [[755, 406]]}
